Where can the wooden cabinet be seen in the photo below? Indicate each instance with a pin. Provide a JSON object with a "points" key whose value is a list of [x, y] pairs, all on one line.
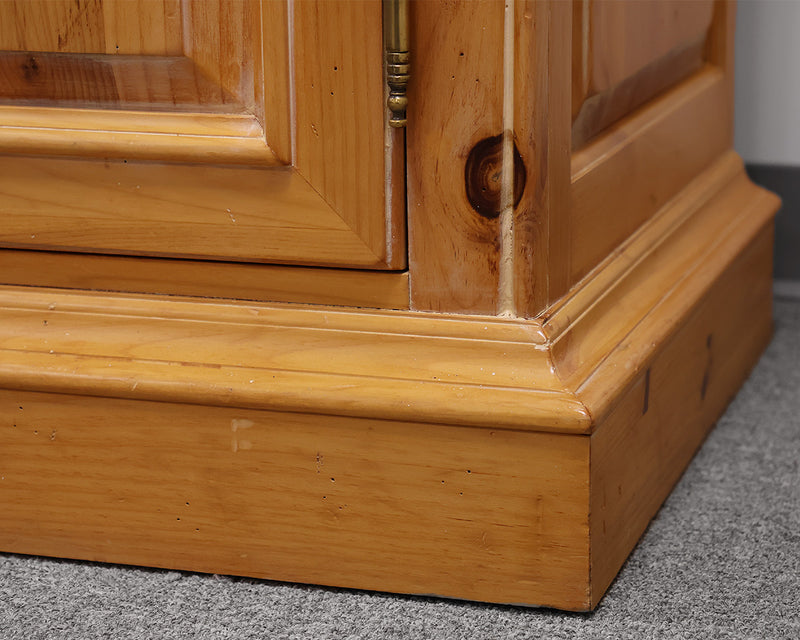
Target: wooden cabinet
{"points": [[218, 352]]}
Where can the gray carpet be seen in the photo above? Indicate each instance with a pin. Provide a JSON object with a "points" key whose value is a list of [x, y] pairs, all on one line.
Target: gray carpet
{"points": [[721, 560]]}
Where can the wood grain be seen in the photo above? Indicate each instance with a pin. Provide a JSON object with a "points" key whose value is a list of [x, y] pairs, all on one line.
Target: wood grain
{"points": [[52, 25], [541, 103], [145, 83], [262, 282], [720, 53], [342, 205], [623, 177], [223, 40], [689, 244], [195, 388], [627, 52], [272, 92], [397, 366], [639, 452], [754, 211], [588, 316], [205, 138], [503, 459], [453, 250], [356, 503], [243, 214], [249, 402], [340, 130], [146, 27], [143, 27]]}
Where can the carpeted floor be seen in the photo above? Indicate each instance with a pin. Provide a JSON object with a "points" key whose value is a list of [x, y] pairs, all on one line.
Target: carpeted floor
{"points": [[721, 560]]}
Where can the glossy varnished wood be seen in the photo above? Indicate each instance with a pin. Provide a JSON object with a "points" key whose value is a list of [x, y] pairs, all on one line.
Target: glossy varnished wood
{"points": [[222, 38], [147, 27], [663, 134], [339, 119], [398, 366], [241, 281], [437, 450], [273, 106], [540, 235], [143, 83], [206, 138], [223, 103], [626, 175], [218, 382], [624, 53], [359, 503], [641, 449], [172, 210], [454, 251]]}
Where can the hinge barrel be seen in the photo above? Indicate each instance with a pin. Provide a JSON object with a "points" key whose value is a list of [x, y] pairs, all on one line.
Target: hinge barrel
{"points": [[395, 42]]}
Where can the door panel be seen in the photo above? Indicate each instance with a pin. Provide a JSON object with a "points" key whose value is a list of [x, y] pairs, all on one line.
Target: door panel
{"points": [[624, 53], [250, 143], [92, 26]]}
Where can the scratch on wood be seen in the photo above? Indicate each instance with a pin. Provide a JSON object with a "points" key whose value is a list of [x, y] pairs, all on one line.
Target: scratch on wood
{"points": [[237, 443]]}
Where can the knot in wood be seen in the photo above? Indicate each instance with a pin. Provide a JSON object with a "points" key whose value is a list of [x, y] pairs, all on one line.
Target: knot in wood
{"points": [[483, 176]]}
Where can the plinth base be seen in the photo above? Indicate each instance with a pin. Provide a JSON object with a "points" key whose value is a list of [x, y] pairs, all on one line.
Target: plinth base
{"points": [[512, 461]]}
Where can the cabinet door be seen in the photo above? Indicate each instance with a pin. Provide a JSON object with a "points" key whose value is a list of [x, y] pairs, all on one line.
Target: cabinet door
{"points": [[225, 130]]}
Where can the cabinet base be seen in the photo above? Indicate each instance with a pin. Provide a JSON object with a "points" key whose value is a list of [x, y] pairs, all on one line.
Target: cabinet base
{"points": [[509, 461]]}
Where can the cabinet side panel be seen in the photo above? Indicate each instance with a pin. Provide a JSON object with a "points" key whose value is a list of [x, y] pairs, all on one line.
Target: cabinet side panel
{"points": [[622, 177], [640, 450], [627, 52], [468, 513]]}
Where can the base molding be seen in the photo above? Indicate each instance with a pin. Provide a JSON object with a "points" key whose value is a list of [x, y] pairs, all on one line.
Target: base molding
{"points": [[503, 460]]}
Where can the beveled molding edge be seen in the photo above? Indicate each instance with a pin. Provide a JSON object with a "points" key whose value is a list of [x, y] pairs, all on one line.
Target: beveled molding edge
{"points": [[560, 372], [221, 138], [611, 325]]}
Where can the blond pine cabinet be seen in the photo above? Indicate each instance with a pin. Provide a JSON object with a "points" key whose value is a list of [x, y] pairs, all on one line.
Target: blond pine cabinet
{"points": [[248, 327]]}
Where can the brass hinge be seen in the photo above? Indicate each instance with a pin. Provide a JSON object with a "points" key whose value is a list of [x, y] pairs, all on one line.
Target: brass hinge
{"points": [[395, 41]]}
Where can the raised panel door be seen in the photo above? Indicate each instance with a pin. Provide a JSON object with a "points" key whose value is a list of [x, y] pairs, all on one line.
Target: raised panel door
{"points": [[226, 130]]}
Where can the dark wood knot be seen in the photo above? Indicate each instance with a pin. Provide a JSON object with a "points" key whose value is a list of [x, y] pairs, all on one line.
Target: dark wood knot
{"points": [[483, 176]]}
